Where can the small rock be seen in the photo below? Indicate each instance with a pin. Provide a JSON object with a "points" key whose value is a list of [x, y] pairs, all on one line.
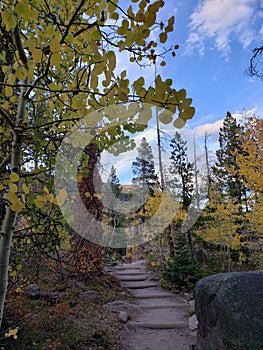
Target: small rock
{"points": [[89, 294], [155, 278], [107, 270], [32, 291], [123, 316], [193, 323], [189, 296], [32, 317], [118, 305], [51, 296], [191, 303], [104, 284], [78, 284]]}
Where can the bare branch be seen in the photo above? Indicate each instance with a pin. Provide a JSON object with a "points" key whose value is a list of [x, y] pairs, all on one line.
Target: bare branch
{"points": [[8, 117], [71, 21], [19, 45], [253, 70], [4, 162]]}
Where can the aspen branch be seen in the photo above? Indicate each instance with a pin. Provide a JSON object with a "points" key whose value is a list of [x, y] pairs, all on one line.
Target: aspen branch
{"points": [[8, 117]]}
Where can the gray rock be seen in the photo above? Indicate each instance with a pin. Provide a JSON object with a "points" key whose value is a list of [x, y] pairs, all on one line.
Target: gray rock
{"points": [[191, 303], [123, 316], [32, 291], [229, 310], [193, 323], [105, 284], [118, 305], [189, 296], [89, 294]]}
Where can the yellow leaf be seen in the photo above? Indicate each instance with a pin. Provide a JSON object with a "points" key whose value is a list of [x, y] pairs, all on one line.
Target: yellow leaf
{"points": [[37, 55], [1, 187], [179, 123], [55, 59], [163, 38], [21, 73], [45, 189], [61, 197], [21, 9], [13, 187], [79, 178], [11, 22], [14, 177], [17, 206], [25, 189], [39, 204], [165, 117], [54, 44], [8, 91], [187, 114], [12, 197], [19, 267]]}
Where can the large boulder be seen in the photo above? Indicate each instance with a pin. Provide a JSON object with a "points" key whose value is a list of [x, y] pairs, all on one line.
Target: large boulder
{"points": [[229, 309]]}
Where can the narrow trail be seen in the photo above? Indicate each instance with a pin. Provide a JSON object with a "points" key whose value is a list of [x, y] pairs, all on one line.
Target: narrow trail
{"points": [[162, 320]]}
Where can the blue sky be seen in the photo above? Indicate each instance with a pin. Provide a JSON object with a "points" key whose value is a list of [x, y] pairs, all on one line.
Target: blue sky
{"points": [[216, 39]]}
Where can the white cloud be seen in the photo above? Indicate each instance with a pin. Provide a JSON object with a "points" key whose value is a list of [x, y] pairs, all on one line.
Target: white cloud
{"points": [[213, 128], [222, 21]]}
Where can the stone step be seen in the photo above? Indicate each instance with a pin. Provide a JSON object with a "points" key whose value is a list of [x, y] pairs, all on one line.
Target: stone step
{"points": [[163, 306], [152, 295], [132, 278], [128, 273], [129, 266], [159, 325], [134, 285]]}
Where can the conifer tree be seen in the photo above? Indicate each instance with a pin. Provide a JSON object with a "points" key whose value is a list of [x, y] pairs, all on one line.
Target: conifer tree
{"points": [[182, 170], [226, 170], [115, 182], [183, 178], [143, 168]]}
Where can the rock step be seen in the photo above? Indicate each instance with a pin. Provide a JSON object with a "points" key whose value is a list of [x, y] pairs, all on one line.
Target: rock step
{"points": [[152, 296], [164, 306], [129, 267], [133, 285], [132, 278], [128, 273], [158, 325]]}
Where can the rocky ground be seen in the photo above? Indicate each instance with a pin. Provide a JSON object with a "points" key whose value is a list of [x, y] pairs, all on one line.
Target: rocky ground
{"points": [[159, 320]]}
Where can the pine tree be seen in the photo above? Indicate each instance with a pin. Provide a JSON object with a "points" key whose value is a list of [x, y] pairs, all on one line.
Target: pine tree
{"points": [[226, 170], [182, 270], [115, 182], [143, 168], [182, 170], [183, 178]]}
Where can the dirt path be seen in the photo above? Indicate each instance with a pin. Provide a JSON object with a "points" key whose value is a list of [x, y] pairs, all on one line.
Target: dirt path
{"points": [[162, 322]]}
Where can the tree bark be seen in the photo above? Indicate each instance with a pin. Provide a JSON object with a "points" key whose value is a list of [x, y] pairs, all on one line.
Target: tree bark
{"points": [[10, 216]]}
